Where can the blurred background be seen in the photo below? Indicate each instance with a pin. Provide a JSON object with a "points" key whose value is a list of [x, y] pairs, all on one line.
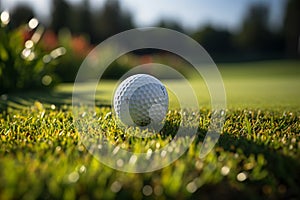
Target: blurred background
{"points": [[53, 37]]}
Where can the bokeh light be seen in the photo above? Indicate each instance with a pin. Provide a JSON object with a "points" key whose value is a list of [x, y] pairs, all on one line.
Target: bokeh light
{"points": [[58, 52], [5, 18], [29, 44], [46, 80], [33, 23]]}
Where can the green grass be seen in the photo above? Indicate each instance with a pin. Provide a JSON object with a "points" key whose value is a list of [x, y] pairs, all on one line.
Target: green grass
{"points": [[256, 157], [269, 84]]}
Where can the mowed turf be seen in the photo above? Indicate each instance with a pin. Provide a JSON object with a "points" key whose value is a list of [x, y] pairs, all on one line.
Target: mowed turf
{"points": [[269, 84], [262, 84], [256, 157]]}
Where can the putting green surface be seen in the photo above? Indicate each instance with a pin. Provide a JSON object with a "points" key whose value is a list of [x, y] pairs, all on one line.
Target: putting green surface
{"points": [[269, 84], [272, 84], [262, 84]]}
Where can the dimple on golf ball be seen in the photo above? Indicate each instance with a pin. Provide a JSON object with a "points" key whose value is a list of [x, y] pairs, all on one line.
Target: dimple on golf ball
{"points": [[141, 100]]}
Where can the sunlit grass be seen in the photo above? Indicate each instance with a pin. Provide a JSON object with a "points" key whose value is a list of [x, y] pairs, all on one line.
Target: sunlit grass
{"points": [[42, 157], [256, 157]]}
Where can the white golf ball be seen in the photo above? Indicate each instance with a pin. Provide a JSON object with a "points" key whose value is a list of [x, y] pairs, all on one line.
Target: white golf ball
{"points": [[141, 100]]}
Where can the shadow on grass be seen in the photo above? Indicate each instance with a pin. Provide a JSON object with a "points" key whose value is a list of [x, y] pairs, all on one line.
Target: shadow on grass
{"points": [[22, 100], [282, 181]]}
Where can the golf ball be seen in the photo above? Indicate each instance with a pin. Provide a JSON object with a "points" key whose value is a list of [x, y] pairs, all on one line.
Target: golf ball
{"points": [[141, 100]]}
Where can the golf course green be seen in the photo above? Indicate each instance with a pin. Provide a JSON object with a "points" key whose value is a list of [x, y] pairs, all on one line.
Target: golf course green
{"points": [[257, 155]]}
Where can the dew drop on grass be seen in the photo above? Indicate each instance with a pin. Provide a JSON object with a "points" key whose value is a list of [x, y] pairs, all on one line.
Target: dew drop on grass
{"points": [[42, 114], [199, 165], [267, 189], [58, 149], [83, 114], [281, 189], [123, 145], [249, 166], [170, 149], [120, 162], [147, 190], [46, 80], [4, 97], [82, 169], [29, 44], [177, 149], [61, 133], [157, 145], [191, 187], [148, 154], [241, 176], [225, 170], [80, 148], [158, 190], [163, 153], [108, 115], [221, 158], [222, 112], [47, 59], [132, 159], [73, 177], [116, 186], [115, 151], [52, 106]]}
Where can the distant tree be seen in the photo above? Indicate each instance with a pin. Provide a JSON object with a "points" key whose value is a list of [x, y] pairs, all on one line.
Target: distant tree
{"points": [[21, 14], [110, 20], [255, 34], [257, 40], [217, 42], [292, 28], [99, 25], [80, 18], [86, 18], [61, 11], [171, 25]]}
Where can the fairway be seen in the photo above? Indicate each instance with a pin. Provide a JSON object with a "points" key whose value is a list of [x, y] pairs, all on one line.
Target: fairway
{"points": [[270, 84], [262, 84], [256, 157]]}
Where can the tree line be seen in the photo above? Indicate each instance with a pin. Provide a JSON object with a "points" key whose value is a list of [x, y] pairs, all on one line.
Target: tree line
{"points": [[255, 40]]}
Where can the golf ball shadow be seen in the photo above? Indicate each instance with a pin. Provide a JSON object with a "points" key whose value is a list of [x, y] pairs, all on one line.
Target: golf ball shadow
{"points": [[141, 101]]}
